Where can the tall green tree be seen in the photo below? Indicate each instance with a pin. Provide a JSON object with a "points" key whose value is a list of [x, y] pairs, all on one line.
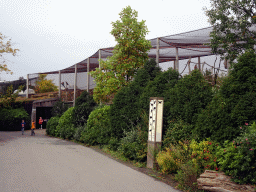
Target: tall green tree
{"points": [[129, 55], [232, 21], [5, 48]]}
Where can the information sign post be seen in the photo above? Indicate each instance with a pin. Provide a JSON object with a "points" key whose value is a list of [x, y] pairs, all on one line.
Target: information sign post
{"points": [[155, 129]]}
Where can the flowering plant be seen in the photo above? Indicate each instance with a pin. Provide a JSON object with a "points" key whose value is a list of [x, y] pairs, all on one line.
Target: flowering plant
{"points": [[238, 158]]}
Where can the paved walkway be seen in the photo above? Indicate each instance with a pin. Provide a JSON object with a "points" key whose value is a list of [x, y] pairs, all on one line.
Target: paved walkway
{"points": [[42, 163]]}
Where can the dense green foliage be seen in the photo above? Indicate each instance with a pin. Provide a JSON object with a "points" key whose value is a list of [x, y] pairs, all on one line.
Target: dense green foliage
{"points": [[52, 125], [233, 105], [125, 112], [98, 130], [78, 132], [11, 119], [65, 129], [190, 95], [59, 108], [232, 22], [83, 107], [178, 130], [134, 144], [238, 158], [160, 86]]}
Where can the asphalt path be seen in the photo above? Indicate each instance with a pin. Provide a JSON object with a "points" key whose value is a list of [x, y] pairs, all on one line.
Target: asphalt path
{"points": [[42, 163]]}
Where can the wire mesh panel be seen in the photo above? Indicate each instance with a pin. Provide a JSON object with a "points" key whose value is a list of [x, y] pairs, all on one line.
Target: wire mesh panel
{"points": [[184, 47]]}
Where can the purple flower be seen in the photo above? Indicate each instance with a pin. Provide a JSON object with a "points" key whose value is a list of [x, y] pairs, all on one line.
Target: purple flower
{"points": [[246, 123]]}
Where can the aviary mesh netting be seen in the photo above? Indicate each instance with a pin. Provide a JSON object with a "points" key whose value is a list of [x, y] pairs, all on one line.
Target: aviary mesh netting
{"points": [[191, 45]]}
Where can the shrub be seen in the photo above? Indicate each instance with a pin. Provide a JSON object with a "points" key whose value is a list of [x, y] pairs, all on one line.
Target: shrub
{"points": [[171, 159], [52, 125], [125, 110], [98, 127], [65, 128], [238, 158], [78, 132], [177, 130], [203, 154], [160, 86], [59, 108], [234, 104], [190, 95], [11, 119], [134, 145], [84, 105], [113, 144], [187, 176]]}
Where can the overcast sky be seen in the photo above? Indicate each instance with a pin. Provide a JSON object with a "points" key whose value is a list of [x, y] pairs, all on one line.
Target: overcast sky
{"points": [[55, 34]]}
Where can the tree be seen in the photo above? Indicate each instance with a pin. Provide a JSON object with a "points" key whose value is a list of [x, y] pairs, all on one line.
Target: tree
{"points": [[125, 112], [233, 105], [129, 55], [5, 47], [9, 98], [231, 22], [44, 85], [84, 105]]}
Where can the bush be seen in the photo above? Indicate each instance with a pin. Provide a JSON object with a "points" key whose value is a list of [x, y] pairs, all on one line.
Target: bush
{"points": [[187, 176], [160, 87], [52, 125], [98, 127], [59, 108], [65, 128], [177, 130], [84, 105], [238, 158], [203, 154], [134, 145], [11, 119], [234, 104], [113, 144], [125, 111], [78, 132], [190, 95], [171, 159]]}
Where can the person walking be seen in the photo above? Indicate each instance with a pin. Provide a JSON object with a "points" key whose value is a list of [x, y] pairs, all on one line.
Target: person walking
{"points": [[41, 122], [23, 126], [33, 126]]}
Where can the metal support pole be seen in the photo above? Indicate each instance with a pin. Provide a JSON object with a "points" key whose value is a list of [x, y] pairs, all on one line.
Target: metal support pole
{"points": [[74, 102], [177, 59], [157, 51], [99, 58], [199, 64], [88, 75], [189, 69], [27, 85], [59, 84]]}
